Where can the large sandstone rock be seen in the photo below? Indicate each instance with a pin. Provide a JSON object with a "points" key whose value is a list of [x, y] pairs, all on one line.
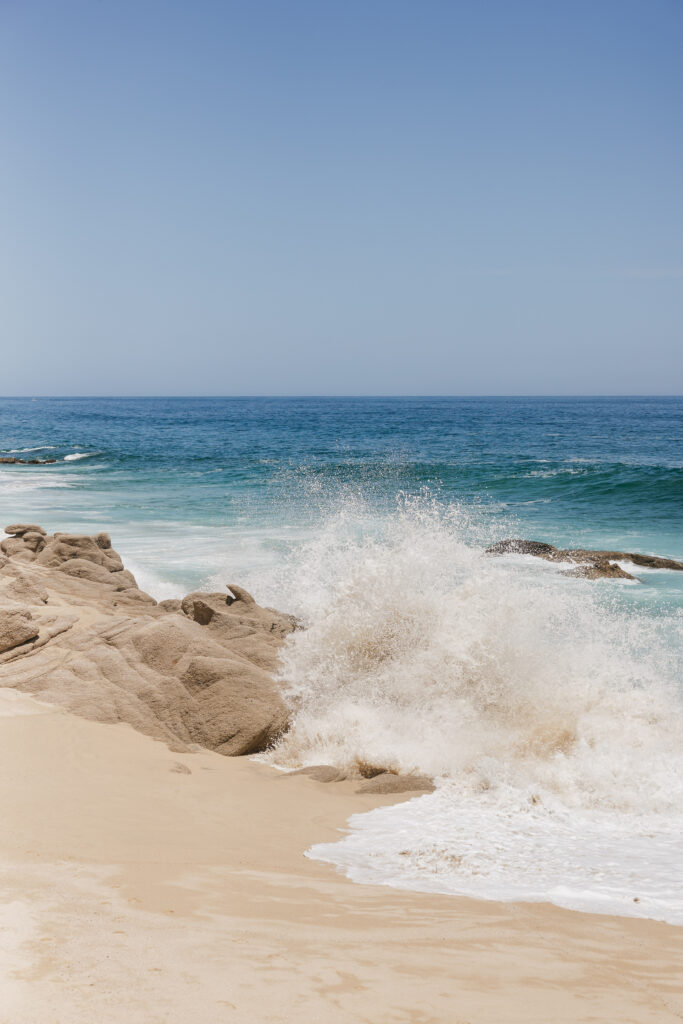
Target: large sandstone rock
{"points": [[91, 559], [238, 707], [65, 546], [16, 628], [196, 672]]}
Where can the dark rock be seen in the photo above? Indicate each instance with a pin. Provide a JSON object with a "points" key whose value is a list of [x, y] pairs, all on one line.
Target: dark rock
{"points": [[600, 569], [11, 461], [592, 565], [647, 561], [522, 547]]}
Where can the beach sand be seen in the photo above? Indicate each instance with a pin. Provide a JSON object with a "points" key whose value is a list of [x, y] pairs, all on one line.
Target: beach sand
{"points": [[147, 887]]}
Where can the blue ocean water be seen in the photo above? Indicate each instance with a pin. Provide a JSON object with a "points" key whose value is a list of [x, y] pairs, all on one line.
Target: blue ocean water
{"points": [[241, 479], [548, 708]]}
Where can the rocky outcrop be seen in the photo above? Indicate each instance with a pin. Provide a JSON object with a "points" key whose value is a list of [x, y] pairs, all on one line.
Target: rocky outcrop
{"points": [[588, 564], [76, 631], [87, 558]]}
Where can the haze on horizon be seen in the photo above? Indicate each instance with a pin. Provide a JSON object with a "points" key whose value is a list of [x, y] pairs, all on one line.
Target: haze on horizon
{"points": [[363, 198]]}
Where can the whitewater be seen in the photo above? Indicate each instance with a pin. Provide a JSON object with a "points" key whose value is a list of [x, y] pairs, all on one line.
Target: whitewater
{"points": [[549, 715]]}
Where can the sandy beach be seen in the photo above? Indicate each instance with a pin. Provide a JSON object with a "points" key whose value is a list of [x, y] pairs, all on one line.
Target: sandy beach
{"points": [[341, 518], [145, 886]]}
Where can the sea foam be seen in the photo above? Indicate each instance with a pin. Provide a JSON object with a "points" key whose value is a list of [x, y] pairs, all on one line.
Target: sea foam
{"points": [[548, 711]]}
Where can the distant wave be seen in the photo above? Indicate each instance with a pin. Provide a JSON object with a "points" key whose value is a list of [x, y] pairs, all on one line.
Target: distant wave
{"points": [[564, 471], [80, 455], [38, 448]]}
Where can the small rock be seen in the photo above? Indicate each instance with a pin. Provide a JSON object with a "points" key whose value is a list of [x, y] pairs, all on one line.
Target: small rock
{"points": [[320, 773], [388, 783], [19, 529], [236, 593], [202, 612]]}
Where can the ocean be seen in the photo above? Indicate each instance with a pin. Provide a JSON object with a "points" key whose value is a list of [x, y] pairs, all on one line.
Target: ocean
{"points": [[549, 709]]}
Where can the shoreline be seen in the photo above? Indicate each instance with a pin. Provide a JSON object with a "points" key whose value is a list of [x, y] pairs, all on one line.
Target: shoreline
{"points": [[138, 891], [149, 879]]}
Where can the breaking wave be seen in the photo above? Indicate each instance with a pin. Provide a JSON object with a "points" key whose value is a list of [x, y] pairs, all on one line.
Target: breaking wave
{"points": [[534, 699]]}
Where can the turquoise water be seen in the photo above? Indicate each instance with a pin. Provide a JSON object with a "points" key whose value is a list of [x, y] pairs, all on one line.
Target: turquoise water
{"points": [[240, 481], [548, 708]]}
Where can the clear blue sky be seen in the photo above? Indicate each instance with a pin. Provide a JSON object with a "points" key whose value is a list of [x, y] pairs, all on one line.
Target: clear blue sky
{"points": [[362, 196]]}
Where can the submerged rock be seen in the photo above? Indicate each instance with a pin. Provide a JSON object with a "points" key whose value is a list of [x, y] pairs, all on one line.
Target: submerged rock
{"points": [[590, 564], [600, 569], [9, 460]]}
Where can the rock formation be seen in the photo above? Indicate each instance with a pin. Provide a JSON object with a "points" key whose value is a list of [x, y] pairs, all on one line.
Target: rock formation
{"points": [[9, 460], [383, 782], [589, 564], [76, 631]]}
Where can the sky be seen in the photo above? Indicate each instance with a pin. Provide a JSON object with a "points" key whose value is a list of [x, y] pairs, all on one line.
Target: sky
{"points": [[357, 197]]}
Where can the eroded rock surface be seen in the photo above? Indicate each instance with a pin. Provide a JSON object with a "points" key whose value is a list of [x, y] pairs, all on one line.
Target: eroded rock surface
{"points": [[76, 631], [16, 628]]}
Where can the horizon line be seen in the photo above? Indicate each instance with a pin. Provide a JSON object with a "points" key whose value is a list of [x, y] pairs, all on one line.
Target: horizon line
{"points": [[315, 395]]}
